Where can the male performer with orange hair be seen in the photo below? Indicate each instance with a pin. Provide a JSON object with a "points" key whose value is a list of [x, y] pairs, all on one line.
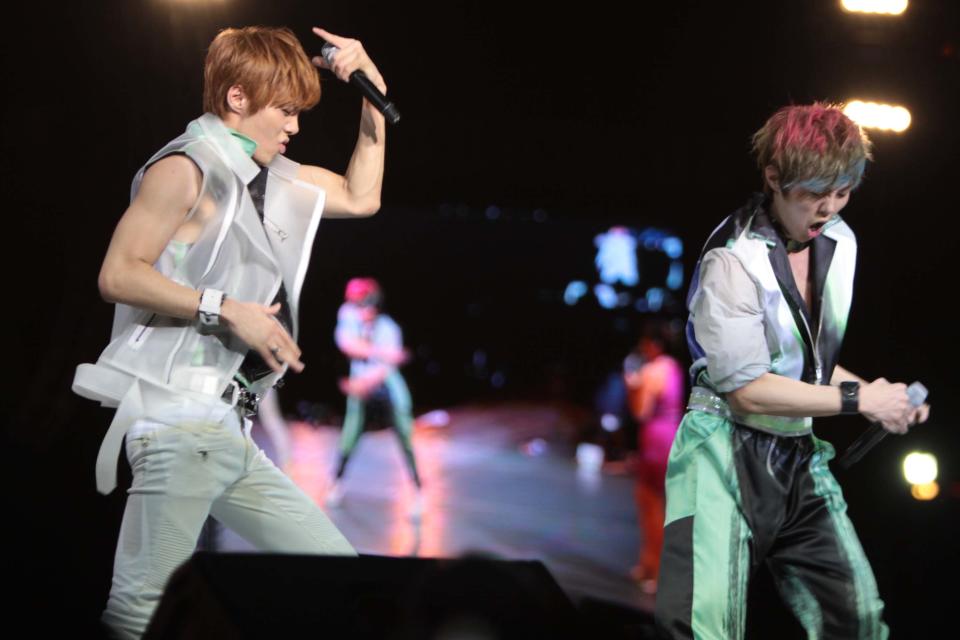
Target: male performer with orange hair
{"points": [[206, 267], [747, 481]]}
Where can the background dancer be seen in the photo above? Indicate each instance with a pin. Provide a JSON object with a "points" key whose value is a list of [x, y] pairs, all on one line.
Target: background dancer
{"points": [[655, 393], [270, 417], [374, 344]]}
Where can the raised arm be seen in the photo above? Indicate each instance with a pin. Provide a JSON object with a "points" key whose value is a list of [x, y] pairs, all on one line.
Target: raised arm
{"points": [[357, 192]]}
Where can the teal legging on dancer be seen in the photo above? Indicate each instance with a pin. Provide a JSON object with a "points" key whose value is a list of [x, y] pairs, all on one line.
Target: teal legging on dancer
{"points": [[402, 407], [737, 497]]}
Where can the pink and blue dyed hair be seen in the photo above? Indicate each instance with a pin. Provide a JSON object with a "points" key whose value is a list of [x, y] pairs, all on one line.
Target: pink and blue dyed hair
{"points": [[815, 147]]}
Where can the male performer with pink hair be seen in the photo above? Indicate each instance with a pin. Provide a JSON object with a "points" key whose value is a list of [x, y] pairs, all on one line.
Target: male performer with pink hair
{"points": [[747, 481]]}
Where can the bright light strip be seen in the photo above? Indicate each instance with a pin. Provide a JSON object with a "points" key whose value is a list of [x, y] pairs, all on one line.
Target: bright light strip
{"points": [[884, 7], [876, 115], [920, 468]]}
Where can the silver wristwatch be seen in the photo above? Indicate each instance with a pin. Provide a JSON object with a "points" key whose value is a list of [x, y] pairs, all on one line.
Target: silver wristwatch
{"points": [[210, 302]]}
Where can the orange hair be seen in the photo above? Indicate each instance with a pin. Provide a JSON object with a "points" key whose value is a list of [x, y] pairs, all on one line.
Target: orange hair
{"points": [[268, 62]]}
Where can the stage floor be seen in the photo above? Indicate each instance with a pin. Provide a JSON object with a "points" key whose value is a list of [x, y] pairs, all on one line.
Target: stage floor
{"points": [[485, 491]]}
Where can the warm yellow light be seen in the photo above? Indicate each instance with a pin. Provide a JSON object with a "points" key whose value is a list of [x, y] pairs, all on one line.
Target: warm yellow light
{"points": [[884, 7], [920, 468], [194, 2], [875, 115], [926, 491]]}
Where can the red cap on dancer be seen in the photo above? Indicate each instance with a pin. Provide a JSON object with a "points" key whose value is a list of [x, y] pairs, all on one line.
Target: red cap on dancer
{"points": [[363, 291]]}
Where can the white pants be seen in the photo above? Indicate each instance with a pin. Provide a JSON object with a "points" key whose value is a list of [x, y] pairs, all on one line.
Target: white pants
{"points": [[194, 461]]}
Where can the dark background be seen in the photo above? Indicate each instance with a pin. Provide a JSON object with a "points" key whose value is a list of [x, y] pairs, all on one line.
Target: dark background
{"points": [[568, 122]]}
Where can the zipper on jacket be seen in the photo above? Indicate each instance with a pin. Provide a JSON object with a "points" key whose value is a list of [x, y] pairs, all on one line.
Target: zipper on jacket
{"points": [[816, 346], [267, 222], [143, 329], [814, 341]]}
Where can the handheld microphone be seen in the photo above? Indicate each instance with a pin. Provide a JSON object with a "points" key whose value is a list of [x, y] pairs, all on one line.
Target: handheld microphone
{"points": [[916, 392], [360, 80]]}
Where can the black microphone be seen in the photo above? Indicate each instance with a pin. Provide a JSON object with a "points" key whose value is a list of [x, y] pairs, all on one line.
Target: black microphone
{"points": [[360, 80], [873, 435]]}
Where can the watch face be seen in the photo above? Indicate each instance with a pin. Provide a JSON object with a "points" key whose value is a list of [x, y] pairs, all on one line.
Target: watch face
{"points": [[849, 392], [210, 302]]}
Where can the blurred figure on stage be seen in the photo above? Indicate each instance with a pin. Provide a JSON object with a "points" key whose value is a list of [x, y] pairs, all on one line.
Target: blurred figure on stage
{"points": [[374, 344], [271, 420], [655, 393], [205, 267], [748, 482]]}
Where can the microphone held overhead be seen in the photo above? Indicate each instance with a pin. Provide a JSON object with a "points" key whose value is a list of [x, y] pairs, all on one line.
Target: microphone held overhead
{"points": [[360, 80]]}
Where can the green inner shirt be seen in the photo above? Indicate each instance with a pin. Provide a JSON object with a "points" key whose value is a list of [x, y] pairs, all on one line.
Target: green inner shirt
{"points": [[249, 146]]}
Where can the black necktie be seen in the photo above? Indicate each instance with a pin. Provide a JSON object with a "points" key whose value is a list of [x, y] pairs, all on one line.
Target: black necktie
{"points": [[258, 190], [253, 366]]}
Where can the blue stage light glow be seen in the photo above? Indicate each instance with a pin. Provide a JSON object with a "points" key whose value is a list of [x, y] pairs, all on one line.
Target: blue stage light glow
{"points": [[654, 298], [574, 291], [617, 257], [606, 296], [675, 276], [672, 246]]}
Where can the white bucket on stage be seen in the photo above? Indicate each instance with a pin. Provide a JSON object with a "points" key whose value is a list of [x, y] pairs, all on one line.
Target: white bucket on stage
{"points": [[589, 457]]}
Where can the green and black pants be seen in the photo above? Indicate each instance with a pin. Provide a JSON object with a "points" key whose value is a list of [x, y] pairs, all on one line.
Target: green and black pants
{"points": [[737, 497]]}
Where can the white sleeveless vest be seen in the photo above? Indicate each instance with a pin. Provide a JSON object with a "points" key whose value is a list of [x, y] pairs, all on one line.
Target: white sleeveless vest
{"points": [[152, 359], [797, 350]]}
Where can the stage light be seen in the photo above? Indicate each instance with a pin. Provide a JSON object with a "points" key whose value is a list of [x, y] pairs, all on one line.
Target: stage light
{"points": [[875, 115], [536, 447], [927, 491], [606, 296], [920, 468], [180, 3], [589, 458], [617, 256], [574, 291], [654, 298], [672, 246], [675, 276], [609, 422], [882, 7], [436, 419]]}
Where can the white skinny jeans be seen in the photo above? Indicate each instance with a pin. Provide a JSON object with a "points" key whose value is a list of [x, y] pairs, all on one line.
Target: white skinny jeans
{"points": [[192, 461]]}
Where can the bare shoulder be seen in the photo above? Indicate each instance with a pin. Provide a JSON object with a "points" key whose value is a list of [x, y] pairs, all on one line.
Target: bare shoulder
{"points": [[173, 181]]}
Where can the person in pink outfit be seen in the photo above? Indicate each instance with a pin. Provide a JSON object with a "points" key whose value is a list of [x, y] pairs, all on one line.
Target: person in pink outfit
{"points": [[656, 395]]}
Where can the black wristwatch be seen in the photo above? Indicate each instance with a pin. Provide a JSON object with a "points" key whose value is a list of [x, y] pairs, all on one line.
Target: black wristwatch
{"points": [[849, 397]]}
